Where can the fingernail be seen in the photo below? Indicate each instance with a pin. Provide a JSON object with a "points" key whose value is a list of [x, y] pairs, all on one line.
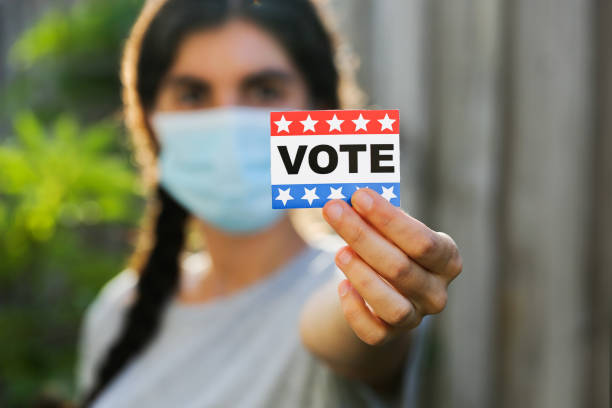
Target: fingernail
{"points": [[343, 288], [362, 200], [334, 212], [344, 257]]}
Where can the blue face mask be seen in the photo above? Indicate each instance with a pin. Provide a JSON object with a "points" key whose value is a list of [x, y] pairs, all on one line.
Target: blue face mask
{"points": [[216, 162]]}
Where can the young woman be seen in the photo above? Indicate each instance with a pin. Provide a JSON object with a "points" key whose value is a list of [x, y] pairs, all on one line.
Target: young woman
{"points": [[262, 318]]}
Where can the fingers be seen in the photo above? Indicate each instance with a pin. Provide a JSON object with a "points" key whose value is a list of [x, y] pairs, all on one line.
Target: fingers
{"points": [[435, 251], [454, 263], [366, 326], [382, 256], [385, 300], [398, 268]]}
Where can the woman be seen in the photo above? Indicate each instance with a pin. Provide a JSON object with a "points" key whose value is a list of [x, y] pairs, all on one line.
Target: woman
{"points": [[263, 318]]}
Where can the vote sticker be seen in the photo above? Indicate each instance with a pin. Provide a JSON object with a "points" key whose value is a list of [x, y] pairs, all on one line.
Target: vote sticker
{"points": [[317, 156]]}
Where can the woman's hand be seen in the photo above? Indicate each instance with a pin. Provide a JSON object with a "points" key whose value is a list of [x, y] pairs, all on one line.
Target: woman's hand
{"points": [[394, 262]]}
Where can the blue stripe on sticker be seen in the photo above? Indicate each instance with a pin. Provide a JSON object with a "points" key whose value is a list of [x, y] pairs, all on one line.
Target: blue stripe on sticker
{"points": [[316, 195]]}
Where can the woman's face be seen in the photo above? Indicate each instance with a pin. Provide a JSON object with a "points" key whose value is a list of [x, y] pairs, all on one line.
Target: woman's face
{"points": [[234, 64]]}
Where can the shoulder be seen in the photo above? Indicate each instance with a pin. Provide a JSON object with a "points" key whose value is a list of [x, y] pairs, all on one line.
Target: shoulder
{"points": [[103, 316], [101, 323], [114, 297]]}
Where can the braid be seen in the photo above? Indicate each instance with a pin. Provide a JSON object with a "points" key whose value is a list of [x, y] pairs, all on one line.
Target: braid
{"points": [[157, 282]]}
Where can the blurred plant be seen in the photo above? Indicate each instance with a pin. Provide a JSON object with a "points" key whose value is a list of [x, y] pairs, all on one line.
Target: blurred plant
{"points": [[69, 195], [68, 200], [69, 60]]}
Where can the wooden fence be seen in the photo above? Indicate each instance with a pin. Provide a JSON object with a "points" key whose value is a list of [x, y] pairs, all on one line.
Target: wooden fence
{"points": [[507, 145]]}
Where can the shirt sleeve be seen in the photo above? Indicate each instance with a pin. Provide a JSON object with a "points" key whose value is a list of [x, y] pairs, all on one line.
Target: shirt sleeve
{"points": [[408, 394]]}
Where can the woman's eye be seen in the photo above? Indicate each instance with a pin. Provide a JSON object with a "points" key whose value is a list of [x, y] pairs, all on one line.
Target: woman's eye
{"points": [[265, 93], [191, 97]]}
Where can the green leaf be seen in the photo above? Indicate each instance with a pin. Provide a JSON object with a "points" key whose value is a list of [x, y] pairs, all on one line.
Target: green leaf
{"points": [[29, 130]]}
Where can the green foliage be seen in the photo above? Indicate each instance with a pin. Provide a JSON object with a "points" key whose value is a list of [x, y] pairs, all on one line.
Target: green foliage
{"points": [[72, 59], [66, 176], [69, 195], [68, 199]]}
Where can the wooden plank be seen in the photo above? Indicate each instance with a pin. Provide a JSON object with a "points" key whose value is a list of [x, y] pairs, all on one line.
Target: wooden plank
{"points": [[597, 384], [543, 338], [465, 51]]}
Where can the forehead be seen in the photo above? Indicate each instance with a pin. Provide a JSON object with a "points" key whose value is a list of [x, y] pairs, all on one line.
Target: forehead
{"points": [[230, 51]]}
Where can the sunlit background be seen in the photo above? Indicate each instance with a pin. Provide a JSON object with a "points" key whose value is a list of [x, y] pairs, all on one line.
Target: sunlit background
{"points": [[506, 143]]}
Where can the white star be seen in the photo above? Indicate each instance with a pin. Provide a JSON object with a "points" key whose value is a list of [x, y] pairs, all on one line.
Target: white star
{"points": [[336, 193], [357, 187], [388, 193], [361, 123], [309, 124], [310, 195], [283, 124], [284, 196], [334, 123], [386, 123]]}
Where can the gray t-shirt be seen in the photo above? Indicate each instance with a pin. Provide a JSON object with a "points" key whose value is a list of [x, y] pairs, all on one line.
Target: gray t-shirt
{"points": [[241, 350]]}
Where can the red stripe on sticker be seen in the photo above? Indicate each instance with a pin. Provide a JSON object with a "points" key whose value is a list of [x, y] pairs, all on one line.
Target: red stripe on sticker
{"points": [[334, 122]]}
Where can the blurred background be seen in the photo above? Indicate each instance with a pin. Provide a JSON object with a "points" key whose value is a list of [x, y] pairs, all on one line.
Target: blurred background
{"points": [[506, 145]]}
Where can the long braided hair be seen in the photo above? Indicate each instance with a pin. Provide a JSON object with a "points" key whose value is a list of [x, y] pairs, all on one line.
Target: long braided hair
{"points": [[149, 53]]}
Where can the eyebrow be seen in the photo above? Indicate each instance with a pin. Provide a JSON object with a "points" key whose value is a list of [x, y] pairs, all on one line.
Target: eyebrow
{"points": [[186, 81], [267, 75]]}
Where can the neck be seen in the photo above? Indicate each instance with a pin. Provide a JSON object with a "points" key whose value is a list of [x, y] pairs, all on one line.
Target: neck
{"points": [[238, 261]]}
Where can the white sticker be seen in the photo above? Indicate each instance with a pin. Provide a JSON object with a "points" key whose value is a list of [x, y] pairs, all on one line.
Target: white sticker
{"points": [[317, 156]]}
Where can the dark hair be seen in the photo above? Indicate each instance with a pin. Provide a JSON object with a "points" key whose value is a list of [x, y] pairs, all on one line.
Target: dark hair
{"points": [[149, 53]]}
